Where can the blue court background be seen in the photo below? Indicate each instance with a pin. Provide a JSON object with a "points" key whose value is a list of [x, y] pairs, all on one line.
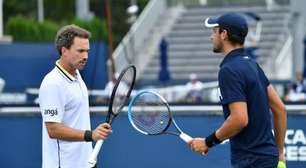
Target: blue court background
{"points": [[20, 144]]}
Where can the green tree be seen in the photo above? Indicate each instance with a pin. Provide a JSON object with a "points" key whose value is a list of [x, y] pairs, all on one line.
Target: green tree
{"points": [[59, 10], [96, 26], [119, 16], [22, 29], [26, 8]]}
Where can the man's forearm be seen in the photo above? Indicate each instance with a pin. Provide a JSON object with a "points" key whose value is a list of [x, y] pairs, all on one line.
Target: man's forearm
{"points": [[279, 117], [62, 132], [229, 129], [236, 121], [280, 126]]}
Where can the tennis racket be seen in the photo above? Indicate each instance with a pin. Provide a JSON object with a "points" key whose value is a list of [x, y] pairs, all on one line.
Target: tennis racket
{"points": [[149, 113], [119, 97]]}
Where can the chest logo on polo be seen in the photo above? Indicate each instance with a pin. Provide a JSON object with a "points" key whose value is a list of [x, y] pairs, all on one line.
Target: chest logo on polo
{"points": [[246, 57], [51, 112]]}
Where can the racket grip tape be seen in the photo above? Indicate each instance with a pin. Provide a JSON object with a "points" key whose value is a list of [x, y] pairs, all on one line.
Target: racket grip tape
{"points": [[185, 137], [93, 157]]}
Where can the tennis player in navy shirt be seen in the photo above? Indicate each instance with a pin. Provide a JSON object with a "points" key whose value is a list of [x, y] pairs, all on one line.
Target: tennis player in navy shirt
{"points": [[250, 103]]}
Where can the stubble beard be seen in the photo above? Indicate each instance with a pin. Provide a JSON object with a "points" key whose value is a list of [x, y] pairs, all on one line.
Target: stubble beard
{"points": [[81, 65], [217, 49]]}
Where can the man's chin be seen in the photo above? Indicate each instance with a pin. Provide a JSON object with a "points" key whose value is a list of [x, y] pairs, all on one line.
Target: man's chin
{"points": [[81, 67], [216, 50]]}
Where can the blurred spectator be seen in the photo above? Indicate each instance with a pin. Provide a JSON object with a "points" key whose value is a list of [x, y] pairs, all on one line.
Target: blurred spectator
{"points": [[107, 92], [2, 84], [164, 74], [297, 90], [253, 37], [251, 43], [109, 88], [194, 89]]}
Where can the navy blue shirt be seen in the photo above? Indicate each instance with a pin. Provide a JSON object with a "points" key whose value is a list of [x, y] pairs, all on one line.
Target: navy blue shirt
{"points": [[241, 79]]}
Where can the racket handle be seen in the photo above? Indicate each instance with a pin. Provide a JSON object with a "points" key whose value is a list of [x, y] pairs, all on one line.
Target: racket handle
{"points": [[185, 137], [93, 157]]}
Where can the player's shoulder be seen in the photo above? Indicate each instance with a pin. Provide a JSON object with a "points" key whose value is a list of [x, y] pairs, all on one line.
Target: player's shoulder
{"points": [[239, 63], [53, 78], [229, 67], [233, 68]]}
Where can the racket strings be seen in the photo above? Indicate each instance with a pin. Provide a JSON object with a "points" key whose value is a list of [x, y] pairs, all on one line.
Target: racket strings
{"points": [[123, 90], [150, 114]]}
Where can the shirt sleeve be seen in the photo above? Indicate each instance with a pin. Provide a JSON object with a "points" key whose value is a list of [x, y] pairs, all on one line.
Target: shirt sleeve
{"points": [[263, 76], [51, 102], [232, 86]]}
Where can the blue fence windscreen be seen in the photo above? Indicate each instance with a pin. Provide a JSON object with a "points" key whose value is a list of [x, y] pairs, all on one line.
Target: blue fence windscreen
{"points": [[21, 144], [23, 65]]}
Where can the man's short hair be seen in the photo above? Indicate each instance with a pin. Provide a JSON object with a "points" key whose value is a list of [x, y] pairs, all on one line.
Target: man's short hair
{"points": [[232, 37], [66, 35]]}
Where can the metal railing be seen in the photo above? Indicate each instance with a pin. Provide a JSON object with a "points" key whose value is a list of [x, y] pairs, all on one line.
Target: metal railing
{"points": [[225, 2], [297, 109], [136, 38], [283, 63], [281, 60]]}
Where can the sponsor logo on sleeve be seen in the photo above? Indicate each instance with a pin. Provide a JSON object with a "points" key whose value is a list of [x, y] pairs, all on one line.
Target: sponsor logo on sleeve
{"points": [[51, 112]]}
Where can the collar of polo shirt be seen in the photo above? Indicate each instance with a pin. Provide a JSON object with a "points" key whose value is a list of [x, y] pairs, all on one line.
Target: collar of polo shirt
{"points": [[64, 72]]}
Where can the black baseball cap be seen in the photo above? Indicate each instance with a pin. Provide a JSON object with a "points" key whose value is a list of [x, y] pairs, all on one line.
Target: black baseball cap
{"points": [[233, 22]]}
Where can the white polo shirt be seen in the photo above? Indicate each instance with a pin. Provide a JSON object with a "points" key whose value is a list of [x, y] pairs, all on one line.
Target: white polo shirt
{"points": [[64, 99]]}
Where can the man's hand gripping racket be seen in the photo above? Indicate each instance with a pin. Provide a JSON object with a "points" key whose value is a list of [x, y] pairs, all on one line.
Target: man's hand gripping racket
{"points": [[120, 95]]}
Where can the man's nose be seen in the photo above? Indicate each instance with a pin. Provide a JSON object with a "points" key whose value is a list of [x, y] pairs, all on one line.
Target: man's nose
{"points": [[85, 55]]}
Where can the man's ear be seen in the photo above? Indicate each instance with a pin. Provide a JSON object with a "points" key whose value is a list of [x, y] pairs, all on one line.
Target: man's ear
{"points": [[224, 35], [64, 50]]}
